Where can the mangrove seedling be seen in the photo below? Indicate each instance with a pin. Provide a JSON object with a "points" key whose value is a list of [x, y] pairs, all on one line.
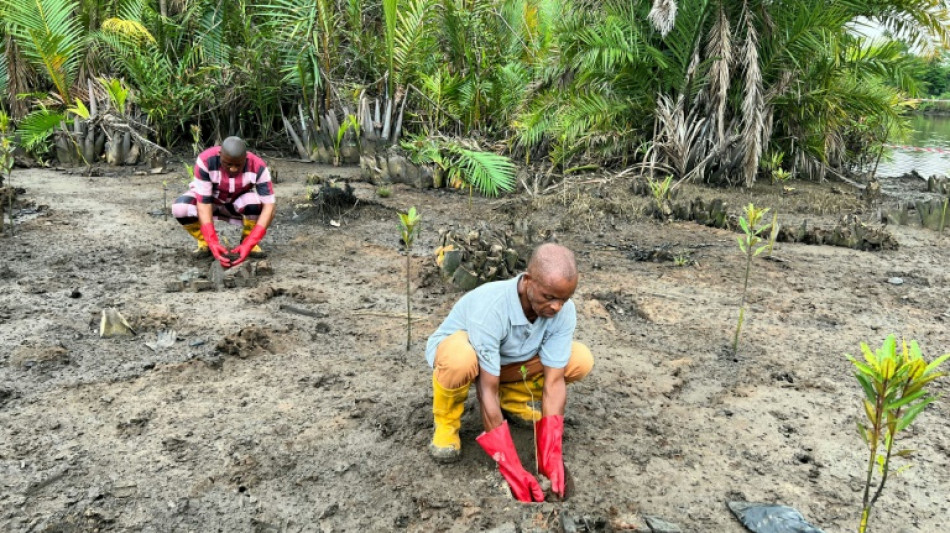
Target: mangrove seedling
{"points": [[750, 245], [894, 394], [6, 167], [165, 200], [409, 228], [534, 427]]}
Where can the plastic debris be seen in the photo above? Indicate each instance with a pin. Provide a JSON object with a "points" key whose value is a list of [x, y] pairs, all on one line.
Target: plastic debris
{"points": [[770, 518], [166, 339], [113, 324]]}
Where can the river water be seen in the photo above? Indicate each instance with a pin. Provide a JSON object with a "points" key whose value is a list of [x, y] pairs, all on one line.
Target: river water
{"points": [[926, 150]]}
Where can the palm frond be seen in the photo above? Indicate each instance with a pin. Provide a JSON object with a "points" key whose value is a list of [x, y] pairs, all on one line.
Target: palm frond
{"points": [[37, 127], [131, 29], [4, 73], [752, 103], [408, 37], [487, 172], [49, 35], [719, 49]]}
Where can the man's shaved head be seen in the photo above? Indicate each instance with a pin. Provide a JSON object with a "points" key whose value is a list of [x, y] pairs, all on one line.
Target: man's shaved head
{"points": [[552, 261], [234, 147]]}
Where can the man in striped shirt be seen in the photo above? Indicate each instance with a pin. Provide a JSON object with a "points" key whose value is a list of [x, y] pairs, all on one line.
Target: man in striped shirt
{"points": [[233, 185]]}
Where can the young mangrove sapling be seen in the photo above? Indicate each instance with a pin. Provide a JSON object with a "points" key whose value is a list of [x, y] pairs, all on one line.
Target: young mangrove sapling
{"points": [[409, 228], [894, 394], [6, 167], [749, 244]]}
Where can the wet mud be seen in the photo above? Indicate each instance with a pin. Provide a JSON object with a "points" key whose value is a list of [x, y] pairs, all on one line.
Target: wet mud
{"points": [[288, 402]]}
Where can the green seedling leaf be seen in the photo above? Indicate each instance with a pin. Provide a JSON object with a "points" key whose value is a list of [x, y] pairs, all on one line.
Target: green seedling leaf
{"points": [[871, 358], [936, 362], [866, 385], [744, 225], [894, 406], [912, 412], [863, 431]]}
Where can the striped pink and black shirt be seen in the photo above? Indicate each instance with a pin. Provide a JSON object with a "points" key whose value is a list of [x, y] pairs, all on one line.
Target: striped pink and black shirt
{"points": [[213, 185]]}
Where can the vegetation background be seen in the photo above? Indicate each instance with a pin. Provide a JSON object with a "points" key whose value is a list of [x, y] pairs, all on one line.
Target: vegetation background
{"points": [[694, 88]]}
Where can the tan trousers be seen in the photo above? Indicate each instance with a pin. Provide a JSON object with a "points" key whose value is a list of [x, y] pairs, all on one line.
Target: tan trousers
{"points": [[456, 363]]}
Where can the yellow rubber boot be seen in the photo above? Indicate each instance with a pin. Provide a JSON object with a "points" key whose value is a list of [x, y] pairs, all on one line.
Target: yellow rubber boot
{"points": [[194, 229], [256, 251], [447, 408], [517, 401]]}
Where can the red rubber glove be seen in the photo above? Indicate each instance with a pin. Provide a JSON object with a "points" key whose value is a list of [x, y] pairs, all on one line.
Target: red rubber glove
{"points": [[498, 444], [550, 457], [248, 243], [219, 252]]}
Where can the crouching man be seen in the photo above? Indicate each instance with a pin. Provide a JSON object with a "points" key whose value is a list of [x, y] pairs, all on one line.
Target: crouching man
{"points": [[490, 334]]}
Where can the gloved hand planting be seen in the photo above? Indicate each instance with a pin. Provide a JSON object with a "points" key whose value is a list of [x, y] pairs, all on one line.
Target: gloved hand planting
{"points": [[219, 252], [248, 244], [550, 430], [498, 444]]}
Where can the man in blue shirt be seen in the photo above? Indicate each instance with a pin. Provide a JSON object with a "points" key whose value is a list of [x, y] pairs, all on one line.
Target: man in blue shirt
{"points": [[490, 334]]}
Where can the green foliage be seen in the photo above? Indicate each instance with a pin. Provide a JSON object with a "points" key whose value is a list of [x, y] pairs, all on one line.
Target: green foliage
{"points": [[49, 36], [660, 190], [409, 229], [894, 384], [37, 127], [487, 172], [750, 244], [117, 92], [571, 82], [80, 110], [6, 147], [936, 77], [349, 123]]}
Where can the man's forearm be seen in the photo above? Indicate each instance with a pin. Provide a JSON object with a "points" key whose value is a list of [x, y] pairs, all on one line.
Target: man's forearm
{"points": [[204, 213], [554, 394], [487, 387], [267, 215]]}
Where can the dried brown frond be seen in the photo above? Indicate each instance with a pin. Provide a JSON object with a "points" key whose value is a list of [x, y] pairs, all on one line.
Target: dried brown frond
{"points": [[720, 48], [663, 15], [752, 102]]}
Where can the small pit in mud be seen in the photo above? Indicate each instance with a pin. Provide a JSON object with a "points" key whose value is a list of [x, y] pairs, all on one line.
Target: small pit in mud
{"points": [[619, 304], [250, 341]]}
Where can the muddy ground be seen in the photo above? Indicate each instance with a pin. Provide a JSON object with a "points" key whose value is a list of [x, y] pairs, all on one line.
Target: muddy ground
{"points": [[262, 419]]}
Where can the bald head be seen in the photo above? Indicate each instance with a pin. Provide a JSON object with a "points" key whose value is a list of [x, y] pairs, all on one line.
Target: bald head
{"points": [[234, 147], [552, 261]]}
